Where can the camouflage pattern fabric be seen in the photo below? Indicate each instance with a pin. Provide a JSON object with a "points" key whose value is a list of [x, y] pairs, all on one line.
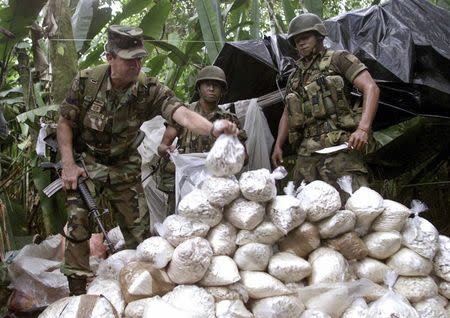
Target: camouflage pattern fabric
{"points": [[105, 123]]}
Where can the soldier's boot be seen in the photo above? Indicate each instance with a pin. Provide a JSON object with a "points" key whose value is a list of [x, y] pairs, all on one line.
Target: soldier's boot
{"points": [[77, 285]]}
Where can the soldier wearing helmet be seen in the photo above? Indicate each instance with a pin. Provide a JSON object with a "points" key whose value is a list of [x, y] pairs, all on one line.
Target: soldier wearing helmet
{"points": [[318, 112], [210, 85], [101, 116]]}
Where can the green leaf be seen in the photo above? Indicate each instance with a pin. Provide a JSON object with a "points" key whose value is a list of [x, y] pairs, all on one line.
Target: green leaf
{"points": [[176, 54], [16, 89], [131, 8], [60, 50], [211, 24], [153, 22], [254, 28], [314, 6], [289, 12], [41, 111], [93, 58], [156, 64]]}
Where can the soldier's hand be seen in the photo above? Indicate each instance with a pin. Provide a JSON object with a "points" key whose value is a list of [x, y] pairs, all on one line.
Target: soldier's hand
{"points": [[223, 126], [358, 139], [164, 150], [277, 156], [70, 174]]}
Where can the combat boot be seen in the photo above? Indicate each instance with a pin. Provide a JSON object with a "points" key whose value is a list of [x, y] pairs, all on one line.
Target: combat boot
{"points": [[77, 285]]}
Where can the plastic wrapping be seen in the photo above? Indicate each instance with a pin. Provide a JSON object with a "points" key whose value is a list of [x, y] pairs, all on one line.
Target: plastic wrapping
{"points": [[416, 288], [157, 307], [430, 308], [285, 212], [92, 306], [371, 269], [265, 233], [177, 229], [288, 267], [301, 241], [358, 309], [320, 200], [349, 245], [221, 191], [232, 308], [392, 218], [444, 289], [258, 185], [261, 285], [367, 204], [253, 256], [222, 239], [191, 299], [341, 222], [226, 157], [278, 307], [196, 207], [111, 267], [136, 308], [245, 215], [314, 314], [381, 245], [408, 263], [155, 250], [190, 261], [334, 299], [391, 304], [419, 234], [442, 259], [110, 289], [221, 272], [141, 280], [328, 266], [116, 237], [226, 293]]}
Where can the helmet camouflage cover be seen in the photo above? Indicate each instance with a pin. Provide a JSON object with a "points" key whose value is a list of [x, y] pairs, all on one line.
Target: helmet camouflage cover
{"points": [[213, 73], [303, 23], [126, 42]]}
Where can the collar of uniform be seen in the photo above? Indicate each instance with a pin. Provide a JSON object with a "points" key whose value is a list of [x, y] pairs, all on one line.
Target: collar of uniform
{"points": [[133, 88], [302, 63]]}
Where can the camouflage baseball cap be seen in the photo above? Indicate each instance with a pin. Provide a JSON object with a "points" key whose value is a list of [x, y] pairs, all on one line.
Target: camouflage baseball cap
{"points": [[126, 42]]}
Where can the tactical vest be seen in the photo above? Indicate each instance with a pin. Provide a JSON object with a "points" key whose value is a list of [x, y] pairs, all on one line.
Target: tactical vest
{"points": [[318, 102], [108, 132]]}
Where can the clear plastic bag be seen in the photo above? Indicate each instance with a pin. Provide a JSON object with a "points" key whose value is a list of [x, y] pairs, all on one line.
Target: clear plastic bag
{"points": [[226, 157]]}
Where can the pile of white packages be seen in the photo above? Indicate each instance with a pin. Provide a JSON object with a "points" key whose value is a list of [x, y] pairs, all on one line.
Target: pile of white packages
{"points": [[237, 249]]}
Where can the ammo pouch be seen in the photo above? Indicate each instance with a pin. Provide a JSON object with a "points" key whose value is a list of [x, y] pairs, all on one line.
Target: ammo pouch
{"points": [[346, 118], [296, 119], [315, 104]]}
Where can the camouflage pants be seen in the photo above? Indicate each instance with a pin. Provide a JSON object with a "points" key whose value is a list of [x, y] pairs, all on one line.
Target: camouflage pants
{"points": [[124, 201], [330, 167]]}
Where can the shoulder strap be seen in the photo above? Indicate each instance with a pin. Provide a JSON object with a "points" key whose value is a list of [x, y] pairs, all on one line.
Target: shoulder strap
{"points": [[94, 78], [326, 60]]}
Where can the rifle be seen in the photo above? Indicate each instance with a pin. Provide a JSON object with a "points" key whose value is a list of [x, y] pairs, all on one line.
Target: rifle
{"points": [[86, 195]]}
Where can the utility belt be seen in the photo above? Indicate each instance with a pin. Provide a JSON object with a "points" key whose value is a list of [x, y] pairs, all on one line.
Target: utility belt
{"points": [[317, 129]]}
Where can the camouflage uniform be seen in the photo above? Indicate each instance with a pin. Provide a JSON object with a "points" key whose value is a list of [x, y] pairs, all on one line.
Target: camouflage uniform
{"points": [[321, 116], [189, 142], [105, 123]]}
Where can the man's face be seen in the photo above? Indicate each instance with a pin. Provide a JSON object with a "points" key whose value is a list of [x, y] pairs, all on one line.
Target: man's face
{"points": [[210, 91], [127, 70], [306, 43]]}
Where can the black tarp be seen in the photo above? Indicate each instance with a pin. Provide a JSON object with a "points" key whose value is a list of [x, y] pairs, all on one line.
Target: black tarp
{"points": [[404, 43]]}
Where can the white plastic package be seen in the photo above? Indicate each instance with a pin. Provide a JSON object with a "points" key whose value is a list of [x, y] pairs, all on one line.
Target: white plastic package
{"points": [[419, 234], [301, 241], [111, 267], [192, 299], [157, 307], [196, 207], [381, 245], [328, 266], [221, 191], [391, 304], [155, 250], [314, 314], [177, 229], [69, 307], [265, 233], [135, 309], [110, 289], [371, 269], [258, 185], [190, 261], [221, 272], [392, 218], [253, 256], [442, 259], [285, 212], [232, 308], [244, 214], [226, 157], [227, 293], [430, 308], [116, 237], [261, 285], [444, 289], [341, 222], [416, 288], [358, 309], [288, 268], [320, 200], [222, 239], [278, 307], [406, 262]]}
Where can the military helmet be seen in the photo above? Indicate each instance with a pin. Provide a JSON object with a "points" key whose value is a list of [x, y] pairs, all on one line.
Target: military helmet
{"points": [[213, 73], [126, 42], [303, 23]]}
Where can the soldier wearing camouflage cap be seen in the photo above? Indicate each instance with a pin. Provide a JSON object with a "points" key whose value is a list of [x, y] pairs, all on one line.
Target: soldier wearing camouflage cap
{"points": [[101, 117], [318, 112], [210, 85]]}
